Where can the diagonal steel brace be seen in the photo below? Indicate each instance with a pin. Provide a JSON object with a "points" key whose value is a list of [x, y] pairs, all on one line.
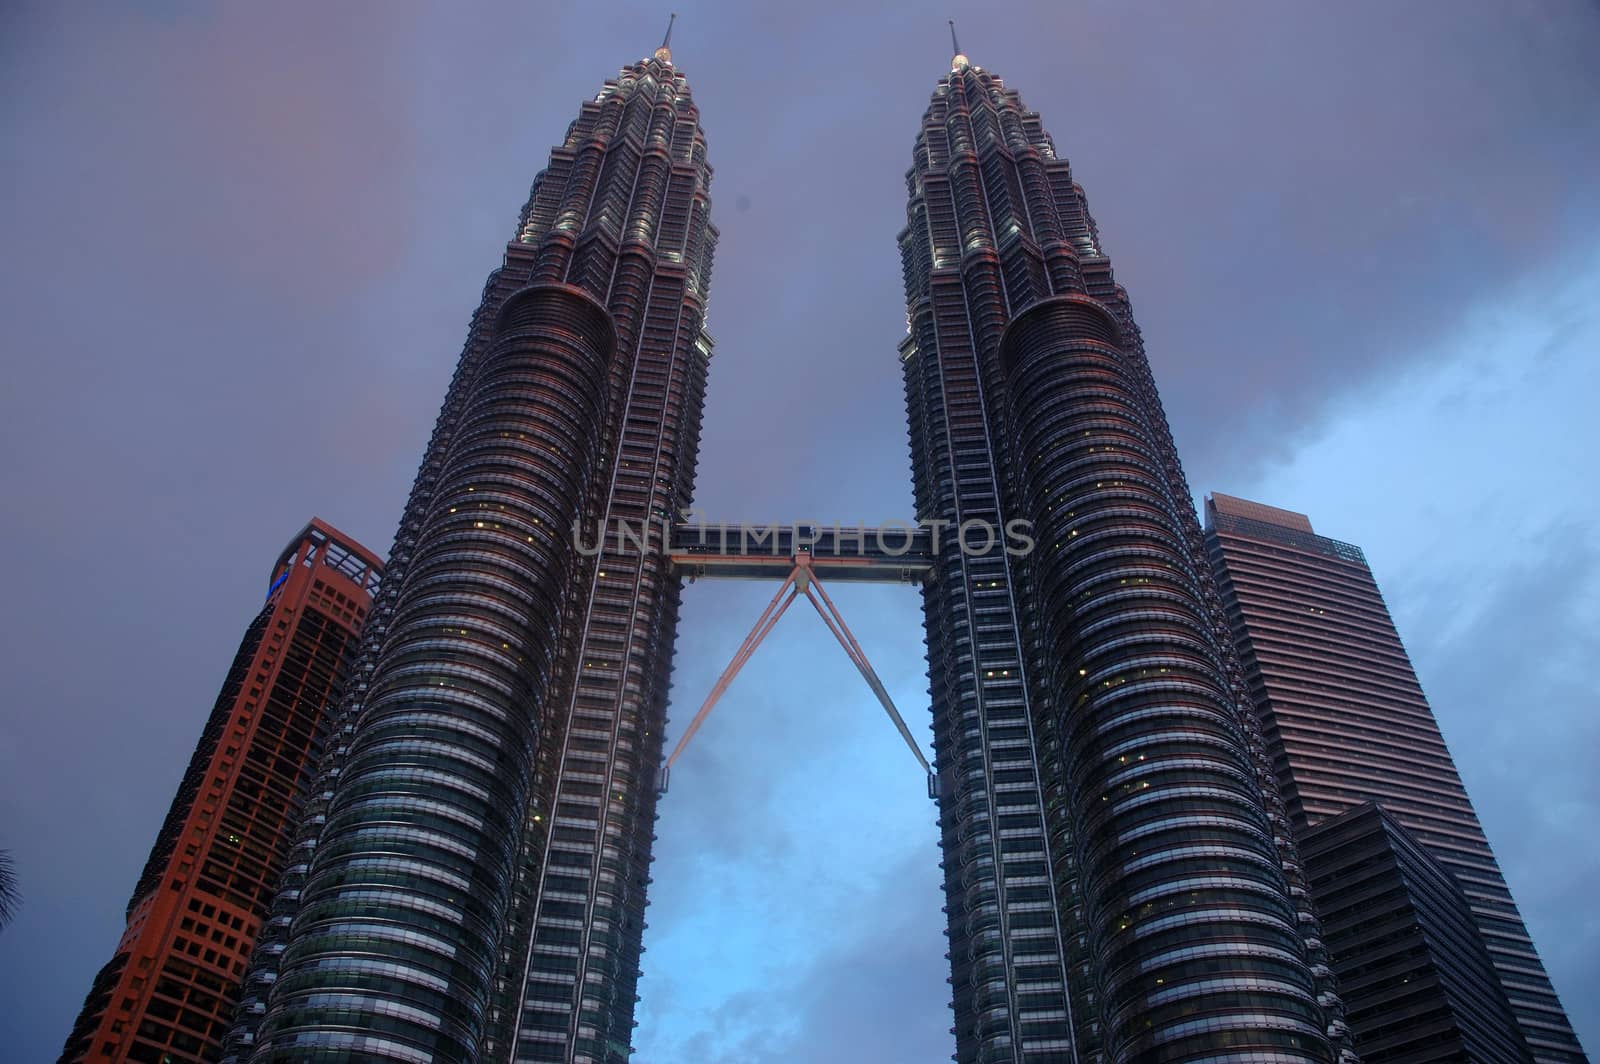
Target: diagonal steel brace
{"points": [[802, 580]]}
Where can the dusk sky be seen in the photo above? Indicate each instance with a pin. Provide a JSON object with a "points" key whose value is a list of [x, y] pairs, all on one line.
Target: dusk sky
{"points": [[242, 244]]}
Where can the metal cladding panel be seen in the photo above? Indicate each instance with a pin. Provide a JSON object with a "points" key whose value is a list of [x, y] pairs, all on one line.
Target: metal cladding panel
{"points": [[394, 946], [262, 972], [513, 931], [643, 243], [1179, 874], [1120, 882]]}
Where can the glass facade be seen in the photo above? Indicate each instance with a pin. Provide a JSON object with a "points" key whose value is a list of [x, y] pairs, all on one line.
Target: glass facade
{"points": [[395, 945], [631, 185], [469, 880], [1346, 722], [1120, 881], [1412, 968]]}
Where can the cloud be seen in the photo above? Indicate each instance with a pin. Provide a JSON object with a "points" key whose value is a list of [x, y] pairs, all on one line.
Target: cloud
{"points": [[1458, 478], [1509, 670], [875, 992]]}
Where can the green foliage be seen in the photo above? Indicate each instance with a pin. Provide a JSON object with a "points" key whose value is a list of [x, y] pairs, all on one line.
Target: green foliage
{"points": [[10, 893]]}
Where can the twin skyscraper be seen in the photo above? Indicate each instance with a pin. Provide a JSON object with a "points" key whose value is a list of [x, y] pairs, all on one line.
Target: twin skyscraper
{"points": [[1122, 865]]}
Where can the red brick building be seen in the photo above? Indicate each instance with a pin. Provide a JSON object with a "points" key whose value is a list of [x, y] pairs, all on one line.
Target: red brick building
{"points": [[168, 993]]}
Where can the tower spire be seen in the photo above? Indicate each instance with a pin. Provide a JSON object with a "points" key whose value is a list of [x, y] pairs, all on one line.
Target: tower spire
{"points": [[959, 62], [664, 53]]}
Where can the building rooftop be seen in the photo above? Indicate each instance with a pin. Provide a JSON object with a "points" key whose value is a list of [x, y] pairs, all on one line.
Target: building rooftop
{"points": [[1233, 506]]}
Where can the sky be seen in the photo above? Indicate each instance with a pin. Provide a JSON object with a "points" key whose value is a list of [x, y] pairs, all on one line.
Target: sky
{"points": [[242, 244]]}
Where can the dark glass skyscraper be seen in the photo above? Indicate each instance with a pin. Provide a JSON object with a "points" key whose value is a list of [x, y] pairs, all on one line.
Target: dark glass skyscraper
{"points": [[1346, 722], [1416, 979], [1120, 881], [470, 884], [168, 992]]}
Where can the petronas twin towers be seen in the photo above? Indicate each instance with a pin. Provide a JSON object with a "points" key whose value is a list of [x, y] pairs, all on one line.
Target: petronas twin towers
{"points": [[469, 881], [1119, 875]]}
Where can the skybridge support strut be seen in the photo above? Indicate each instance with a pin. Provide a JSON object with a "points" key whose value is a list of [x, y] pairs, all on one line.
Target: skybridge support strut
{"points": [[764, 624], [832, 618], [802, 580]]}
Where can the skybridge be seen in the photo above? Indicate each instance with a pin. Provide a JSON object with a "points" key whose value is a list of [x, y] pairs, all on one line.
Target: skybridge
{"points": [[887, 555], [799, 556]]}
